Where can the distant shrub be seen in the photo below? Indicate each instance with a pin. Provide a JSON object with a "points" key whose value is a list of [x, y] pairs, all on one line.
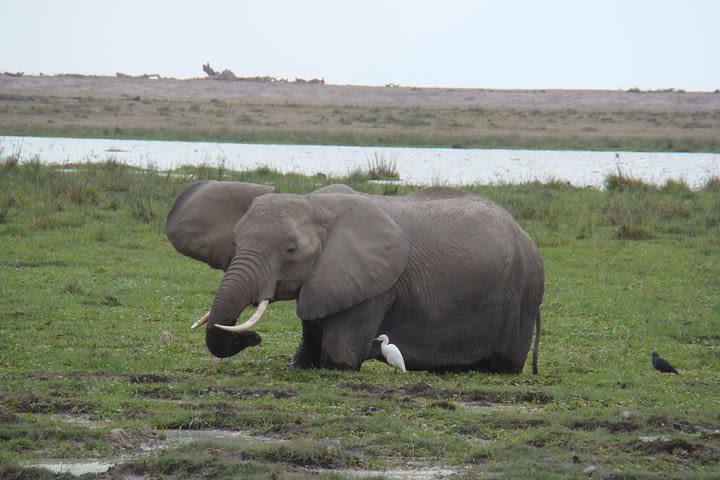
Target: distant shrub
{"points": [[587, 228], [80, 192], [528, 209], [357, 176], [677, 187], [143, 208], [629, 214], [265, 171], [621, 182], [713, 217], [32, 170], [378, 168], [712, 184], [8, 163], [6, 203], [111, 164]]}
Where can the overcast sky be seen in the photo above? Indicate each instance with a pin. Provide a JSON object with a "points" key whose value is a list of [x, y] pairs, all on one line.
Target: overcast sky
{"points": [[606, 44]]}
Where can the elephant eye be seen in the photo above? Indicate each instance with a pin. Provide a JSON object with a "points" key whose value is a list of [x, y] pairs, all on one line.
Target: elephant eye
{"points": [[291, 248]]}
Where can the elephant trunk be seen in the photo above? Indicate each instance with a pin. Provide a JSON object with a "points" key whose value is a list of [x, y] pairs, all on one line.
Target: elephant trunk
{"points": [[247, 280]]}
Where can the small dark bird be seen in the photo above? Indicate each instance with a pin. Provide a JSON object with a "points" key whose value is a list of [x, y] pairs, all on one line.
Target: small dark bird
{"points": [[662, 365]]}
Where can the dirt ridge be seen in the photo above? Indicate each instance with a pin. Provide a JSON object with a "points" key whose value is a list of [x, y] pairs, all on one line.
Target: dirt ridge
{"points": [[532, 99]]}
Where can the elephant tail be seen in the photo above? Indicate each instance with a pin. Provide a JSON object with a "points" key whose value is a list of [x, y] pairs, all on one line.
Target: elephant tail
{"points": [[537, 342]]}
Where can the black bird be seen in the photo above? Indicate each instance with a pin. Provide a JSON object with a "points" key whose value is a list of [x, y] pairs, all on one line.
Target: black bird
{"points": [[662, 365]]}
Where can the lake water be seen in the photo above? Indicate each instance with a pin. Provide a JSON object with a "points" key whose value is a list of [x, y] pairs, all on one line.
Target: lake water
{"points": [[416, 165]]}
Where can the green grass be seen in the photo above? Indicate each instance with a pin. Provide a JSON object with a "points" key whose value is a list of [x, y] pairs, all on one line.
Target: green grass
{"points": [[88, 282]]}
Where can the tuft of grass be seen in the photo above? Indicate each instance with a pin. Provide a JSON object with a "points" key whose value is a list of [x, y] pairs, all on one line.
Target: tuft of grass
{"points": [[9, 162], [712, 184], [382, 168], [111, 301], [72, 287], [378, 168], [629, 230], [621, 182], [7, 202], [144, 208]]}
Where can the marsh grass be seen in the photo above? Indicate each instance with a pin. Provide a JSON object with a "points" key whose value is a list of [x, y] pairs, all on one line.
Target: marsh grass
{"points": [[88, 283]]}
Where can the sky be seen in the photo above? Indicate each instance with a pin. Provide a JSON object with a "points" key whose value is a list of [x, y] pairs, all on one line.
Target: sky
{"points": [[580, 44]]}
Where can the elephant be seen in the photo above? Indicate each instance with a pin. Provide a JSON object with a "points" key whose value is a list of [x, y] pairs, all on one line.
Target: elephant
{"points": [[450, 276]]}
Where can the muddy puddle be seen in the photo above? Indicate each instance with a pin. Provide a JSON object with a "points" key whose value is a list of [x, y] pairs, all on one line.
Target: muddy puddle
{"points": [[161, 439], [82, 467], [73, 467], [482, 406], [419, 474]]}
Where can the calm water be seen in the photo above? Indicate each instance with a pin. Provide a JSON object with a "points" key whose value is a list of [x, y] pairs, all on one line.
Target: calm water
{"points": [[416, 165]]}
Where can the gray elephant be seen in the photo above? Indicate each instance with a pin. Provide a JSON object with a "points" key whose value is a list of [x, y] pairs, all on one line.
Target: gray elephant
{"points": [[449, 276]]}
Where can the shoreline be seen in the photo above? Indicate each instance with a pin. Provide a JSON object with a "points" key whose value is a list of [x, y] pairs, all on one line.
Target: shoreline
{"points": [[414, 166], [289, 113]]}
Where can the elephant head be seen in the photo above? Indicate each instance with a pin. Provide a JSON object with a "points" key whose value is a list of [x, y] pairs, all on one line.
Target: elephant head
{"points": [[200, 225], [328, 250]]}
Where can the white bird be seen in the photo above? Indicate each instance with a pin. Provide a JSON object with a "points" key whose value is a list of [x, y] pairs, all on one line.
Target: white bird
{"points": [[166, 337], [391, 353]]}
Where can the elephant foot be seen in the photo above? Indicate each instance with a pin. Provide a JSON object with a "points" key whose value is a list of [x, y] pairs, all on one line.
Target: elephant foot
{"points": [[335, 365], [307, 354], [305, 358], [303, 363]]}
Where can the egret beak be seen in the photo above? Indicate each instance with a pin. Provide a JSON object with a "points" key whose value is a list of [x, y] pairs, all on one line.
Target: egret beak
{"points": [[376, 339], [250, 323], [202, 321]]}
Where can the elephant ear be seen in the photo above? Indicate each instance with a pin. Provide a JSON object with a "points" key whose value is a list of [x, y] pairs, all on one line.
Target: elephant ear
{"points": [[364, 254], [201, 221]]}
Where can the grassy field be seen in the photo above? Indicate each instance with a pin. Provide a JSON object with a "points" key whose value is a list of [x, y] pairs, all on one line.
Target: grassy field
{"points": [[255, 120], [88, 282]]}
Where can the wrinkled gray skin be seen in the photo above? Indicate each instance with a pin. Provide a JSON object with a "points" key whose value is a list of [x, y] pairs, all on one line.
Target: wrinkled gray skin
{"points": [[449, 276]]}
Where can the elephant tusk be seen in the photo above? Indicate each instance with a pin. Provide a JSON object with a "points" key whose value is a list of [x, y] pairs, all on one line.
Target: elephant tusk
{"points": [[202, 321], [251, 321]]}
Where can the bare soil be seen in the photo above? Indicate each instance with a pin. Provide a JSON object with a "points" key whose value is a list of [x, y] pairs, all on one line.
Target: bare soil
{"points": [[244, 111], [197, 89]]}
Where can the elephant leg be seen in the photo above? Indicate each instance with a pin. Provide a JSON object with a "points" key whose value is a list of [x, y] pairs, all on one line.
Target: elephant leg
{"points": [[308, 352], [347, 337]]}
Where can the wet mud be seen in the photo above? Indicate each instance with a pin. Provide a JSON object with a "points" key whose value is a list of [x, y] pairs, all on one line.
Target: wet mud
{"points": [[427, 391]]}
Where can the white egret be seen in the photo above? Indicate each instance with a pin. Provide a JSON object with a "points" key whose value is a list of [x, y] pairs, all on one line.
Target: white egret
{"points": [[391, 353]]}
